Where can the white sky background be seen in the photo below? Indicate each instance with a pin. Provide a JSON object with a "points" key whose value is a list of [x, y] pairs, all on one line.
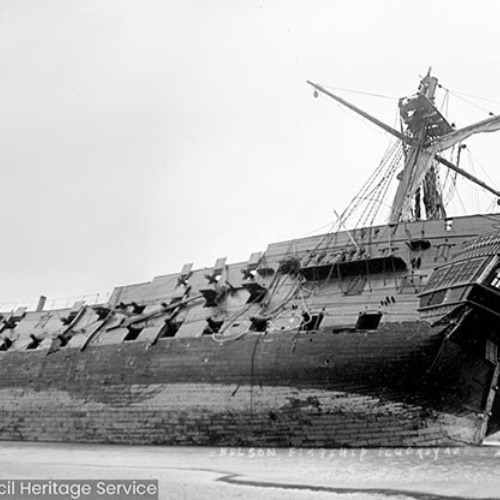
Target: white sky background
{"points": [[136, 136]]}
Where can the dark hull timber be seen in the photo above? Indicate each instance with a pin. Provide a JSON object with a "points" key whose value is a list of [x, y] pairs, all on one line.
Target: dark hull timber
{"points": [[403, 385]]}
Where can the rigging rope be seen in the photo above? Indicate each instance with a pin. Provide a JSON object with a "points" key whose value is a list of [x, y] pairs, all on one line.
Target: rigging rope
{"points": [[445, 103], [373, 192], [470, 95], [449, 183], [330, 87], [460, 96]]}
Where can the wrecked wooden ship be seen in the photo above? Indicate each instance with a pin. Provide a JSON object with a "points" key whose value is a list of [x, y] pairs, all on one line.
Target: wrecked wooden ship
{"points": [[381, 335]]}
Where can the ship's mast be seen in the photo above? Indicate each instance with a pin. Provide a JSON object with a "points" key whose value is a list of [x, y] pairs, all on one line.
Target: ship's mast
{"points": [[423, 123], [425, 134]]}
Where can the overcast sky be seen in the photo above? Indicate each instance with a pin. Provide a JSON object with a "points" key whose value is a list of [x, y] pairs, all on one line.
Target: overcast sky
{"points": [[140, 135]]}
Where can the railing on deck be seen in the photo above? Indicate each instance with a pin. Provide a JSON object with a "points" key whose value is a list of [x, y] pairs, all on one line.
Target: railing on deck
{"points": [[58, 303]]}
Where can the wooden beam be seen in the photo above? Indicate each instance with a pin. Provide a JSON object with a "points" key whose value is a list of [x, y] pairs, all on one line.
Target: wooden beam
{"points": [[364, 114], [460, 171]]}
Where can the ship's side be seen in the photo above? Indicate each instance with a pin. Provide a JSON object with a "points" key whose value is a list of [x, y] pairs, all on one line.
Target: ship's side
{"points": [[315, 342]]}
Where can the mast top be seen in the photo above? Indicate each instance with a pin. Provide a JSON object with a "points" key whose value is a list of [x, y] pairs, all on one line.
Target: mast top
{"points": [[428, 86]]}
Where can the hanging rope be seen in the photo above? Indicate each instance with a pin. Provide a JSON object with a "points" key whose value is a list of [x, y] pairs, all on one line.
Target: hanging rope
{"points": [[460, 95], [449, 184], [471, 96], [371, 196], [445, 103]]}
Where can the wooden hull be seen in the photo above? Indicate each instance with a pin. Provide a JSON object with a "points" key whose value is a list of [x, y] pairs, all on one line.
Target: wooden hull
{"points": [[314, 343], [401, 385]]}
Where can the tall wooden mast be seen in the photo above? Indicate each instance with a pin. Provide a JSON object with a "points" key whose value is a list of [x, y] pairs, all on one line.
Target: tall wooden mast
{"points": [[416, 197], [426, 133]]}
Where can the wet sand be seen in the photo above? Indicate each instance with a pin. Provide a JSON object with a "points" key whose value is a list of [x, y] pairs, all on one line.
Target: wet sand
{"points": [[256, 473]]}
